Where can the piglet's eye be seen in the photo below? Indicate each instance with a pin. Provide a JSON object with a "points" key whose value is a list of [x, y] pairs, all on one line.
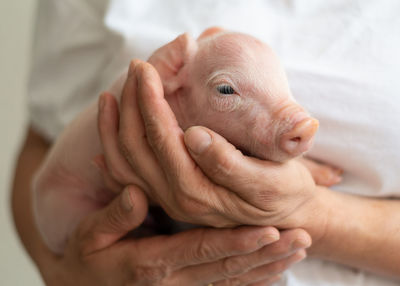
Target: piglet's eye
{"points": [[225, 89]]}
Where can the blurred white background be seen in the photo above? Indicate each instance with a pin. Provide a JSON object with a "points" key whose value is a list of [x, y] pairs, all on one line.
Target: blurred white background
{"points": [[16, 31]]}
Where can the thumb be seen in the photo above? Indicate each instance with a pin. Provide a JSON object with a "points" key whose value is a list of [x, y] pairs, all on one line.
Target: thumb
{"points": [[216, 157], [228, 167], [103, 228]]}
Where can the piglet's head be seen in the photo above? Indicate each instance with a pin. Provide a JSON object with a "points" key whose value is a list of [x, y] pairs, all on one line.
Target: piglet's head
{"points": [[234, 84]]}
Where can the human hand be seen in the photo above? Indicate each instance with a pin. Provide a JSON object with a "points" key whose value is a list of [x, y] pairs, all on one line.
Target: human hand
{"points": [[98, 253], [228, 189]]}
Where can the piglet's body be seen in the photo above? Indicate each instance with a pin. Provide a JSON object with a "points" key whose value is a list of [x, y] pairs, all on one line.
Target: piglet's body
{"points": [[229, 82]]}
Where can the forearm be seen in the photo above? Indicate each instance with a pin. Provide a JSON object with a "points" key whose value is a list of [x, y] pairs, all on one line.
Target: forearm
{"points": [[359, 232], [30, 158]]}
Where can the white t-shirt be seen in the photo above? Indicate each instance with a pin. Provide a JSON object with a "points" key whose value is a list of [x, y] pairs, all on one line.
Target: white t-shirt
{"points": [[341, 57]]}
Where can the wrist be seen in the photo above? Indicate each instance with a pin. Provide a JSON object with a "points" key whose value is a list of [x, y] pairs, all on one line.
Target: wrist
{"points": [[330, 226], [319, 217]]}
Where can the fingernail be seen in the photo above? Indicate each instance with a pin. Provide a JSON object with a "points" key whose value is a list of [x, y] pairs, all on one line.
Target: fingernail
{"points": [[127, 200], [132, 68], [197, 140], [141, 71], [268, 239], [300, 243]]}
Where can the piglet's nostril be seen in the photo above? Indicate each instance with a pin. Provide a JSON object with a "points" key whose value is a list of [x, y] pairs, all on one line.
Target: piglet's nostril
{"points": [[299, 139], [296, 139]]}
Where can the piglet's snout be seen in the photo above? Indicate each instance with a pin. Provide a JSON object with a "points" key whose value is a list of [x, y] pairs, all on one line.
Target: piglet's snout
{"points": [[300, 138]]}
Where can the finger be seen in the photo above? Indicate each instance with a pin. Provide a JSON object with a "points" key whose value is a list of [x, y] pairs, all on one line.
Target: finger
{"points": [[110, 183], [108, 124], [162, 129], [132, 134], [105, 227], [227, 166], [323, 175], [205, 245], [251, 179], [264, 282], [290, 242], [171, 162], [268, 271], [166, 140], [237, 266]]}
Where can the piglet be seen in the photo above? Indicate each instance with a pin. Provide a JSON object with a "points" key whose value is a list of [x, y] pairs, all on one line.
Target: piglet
{"points": [[229, 82], [234, 84]]}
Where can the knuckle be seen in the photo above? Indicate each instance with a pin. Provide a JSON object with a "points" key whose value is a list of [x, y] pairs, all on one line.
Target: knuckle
{"points": [[126, 137], [224, 162], [233, 267], [152, 274], [155, 135], [203, 250], [127, 146]]}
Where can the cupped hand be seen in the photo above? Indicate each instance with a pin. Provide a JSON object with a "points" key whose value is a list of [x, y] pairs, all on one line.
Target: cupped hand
{"points": [[100, 253], [197, 176]]}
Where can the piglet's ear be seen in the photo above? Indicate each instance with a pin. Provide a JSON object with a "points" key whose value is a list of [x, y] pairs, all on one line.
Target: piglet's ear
{"points": [[170, 61], [210, 32]]}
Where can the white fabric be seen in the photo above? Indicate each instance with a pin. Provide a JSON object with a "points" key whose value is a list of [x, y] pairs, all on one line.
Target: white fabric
{"points": [[341, 57]]}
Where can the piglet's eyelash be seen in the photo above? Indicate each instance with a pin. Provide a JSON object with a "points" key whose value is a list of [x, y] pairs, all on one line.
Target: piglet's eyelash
{"points": [[225, 89]]}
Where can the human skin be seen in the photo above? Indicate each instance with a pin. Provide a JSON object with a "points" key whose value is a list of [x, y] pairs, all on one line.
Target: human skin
{"points": [[257, 114], [97, 256], [280, 194]]}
